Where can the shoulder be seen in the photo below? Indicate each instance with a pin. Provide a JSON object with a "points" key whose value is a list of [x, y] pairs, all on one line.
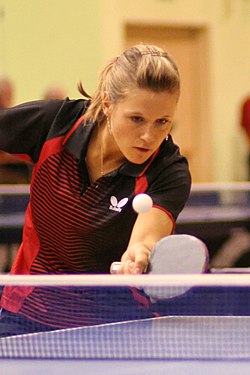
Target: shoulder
{"points": [[67, 108], [170, 169], [65, 113], [170, 157], [169, 179], [44, 110]]}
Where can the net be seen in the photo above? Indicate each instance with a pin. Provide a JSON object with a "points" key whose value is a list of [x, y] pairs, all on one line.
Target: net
{"points": [[111, 317]]}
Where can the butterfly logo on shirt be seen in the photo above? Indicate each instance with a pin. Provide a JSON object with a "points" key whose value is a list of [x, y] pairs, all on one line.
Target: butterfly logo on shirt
{"points": [[116, 205]]}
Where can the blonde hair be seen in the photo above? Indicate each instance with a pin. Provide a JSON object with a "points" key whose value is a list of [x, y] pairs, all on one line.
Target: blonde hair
{"points": [[142, 66]]}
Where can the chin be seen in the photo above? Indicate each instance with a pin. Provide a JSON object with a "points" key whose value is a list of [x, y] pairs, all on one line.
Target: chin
{"points": [[138, 161]]}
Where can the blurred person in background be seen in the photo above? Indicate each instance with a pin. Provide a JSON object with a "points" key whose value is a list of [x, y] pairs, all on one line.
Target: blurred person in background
{"points": [[6, 92], [12, 170], [54, 92], [245, 124]]}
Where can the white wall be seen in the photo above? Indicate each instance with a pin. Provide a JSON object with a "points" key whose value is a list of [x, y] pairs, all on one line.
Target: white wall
{"points": [[49, 41]]}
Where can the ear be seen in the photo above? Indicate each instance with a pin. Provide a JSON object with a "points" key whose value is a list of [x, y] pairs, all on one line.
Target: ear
{"points": [[106, 104]]}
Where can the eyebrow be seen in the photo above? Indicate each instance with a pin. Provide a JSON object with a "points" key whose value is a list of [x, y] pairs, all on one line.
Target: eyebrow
{"points": [[141, 114]]}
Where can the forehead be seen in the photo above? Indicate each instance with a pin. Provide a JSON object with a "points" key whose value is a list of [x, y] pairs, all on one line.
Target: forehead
{"points": [[148, 101]]}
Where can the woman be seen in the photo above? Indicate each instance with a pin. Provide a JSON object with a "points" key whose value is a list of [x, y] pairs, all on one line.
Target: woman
{"points": [[88, 156]]}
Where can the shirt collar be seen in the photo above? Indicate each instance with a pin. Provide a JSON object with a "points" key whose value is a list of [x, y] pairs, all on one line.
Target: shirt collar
{"points": [[136, 170], [78, 141], [77, 144]]}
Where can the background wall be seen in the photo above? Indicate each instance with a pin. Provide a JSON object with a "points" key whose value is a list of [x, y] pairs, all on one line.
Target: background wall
{"points": [[43, 42]]}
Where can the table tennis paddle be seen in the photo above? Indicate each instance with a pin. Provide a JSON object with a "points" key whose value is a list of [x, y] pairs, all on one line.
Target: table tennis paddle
{"points": [[174, 254]]}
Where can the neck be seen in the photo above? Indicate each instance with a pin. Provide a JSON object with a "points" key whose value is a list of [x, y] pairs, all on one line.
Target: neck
{"points": [[110, 155], [103, 155]]}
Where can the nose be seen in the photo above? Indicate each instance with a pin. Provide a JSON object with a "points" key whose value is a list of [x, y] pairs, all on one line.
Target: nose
{"points": [[147, 133]]}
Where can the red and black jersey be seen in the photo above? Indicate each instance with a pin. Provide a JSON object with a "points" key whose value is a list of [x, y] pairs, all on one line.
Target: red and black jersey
{"points": [[73, 226]]}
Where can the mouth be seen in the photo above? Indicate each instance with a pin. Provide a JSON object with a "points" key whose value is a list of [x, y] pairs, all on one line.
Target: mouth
{"points": [[142, 149], [140, 154]]}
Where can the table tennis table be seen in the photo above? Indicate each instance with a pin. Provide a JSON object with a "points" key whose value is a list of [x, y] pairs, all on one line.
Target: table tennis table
{"points": [[219, 214], [227, 204], [211, 213], [203, 345], [213, 209]]}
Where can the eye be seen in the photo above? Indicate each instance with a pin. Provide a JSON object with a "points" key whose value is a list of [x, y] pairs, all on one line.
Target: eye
{"points": [[162, 121], [137, 119]]}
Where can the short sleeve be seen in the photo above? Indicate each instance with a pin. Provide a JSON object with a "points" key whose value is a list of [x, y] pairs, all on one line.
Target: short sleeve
{"points": [[25, 128], [171, 186]]}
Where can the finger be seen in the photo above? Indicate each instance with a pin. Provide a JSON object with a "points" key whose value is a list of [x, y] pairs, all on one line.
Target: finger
{"points": [[128, 267], [122, 267], [141, 263], [117, 268]]}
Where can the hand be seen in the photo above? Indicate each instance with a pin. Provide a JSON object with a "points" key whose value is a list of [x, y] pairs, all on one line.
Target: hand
{"points": [[134, 260]]}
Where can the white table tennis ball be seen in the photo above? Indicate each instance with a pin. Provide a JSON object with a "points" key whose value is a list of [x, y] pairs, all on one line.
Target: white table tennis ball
{"points": [[142, 203]]}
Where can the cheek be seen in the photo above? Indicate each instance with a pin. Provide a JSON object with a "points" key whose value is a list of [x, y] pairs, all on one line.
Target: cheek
{"points": [[122, 137], [167, 131], [162, 134], [122, 130]]}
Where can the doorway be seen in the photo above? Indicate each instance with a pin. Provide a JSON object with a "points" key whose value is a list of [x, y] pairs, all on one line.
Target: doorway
{"points": [[188, 46]]}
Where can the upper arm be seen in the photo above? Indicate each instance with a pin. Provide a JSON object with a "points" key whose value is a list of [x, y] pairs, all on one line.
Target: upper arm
{"points": [[25, 128], [170, 188], [169, 191]]}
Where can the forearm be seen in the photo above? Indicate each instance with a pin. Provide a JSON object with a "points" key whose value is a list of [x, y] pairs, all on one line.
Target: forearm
{"points": [[148, 229]]}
